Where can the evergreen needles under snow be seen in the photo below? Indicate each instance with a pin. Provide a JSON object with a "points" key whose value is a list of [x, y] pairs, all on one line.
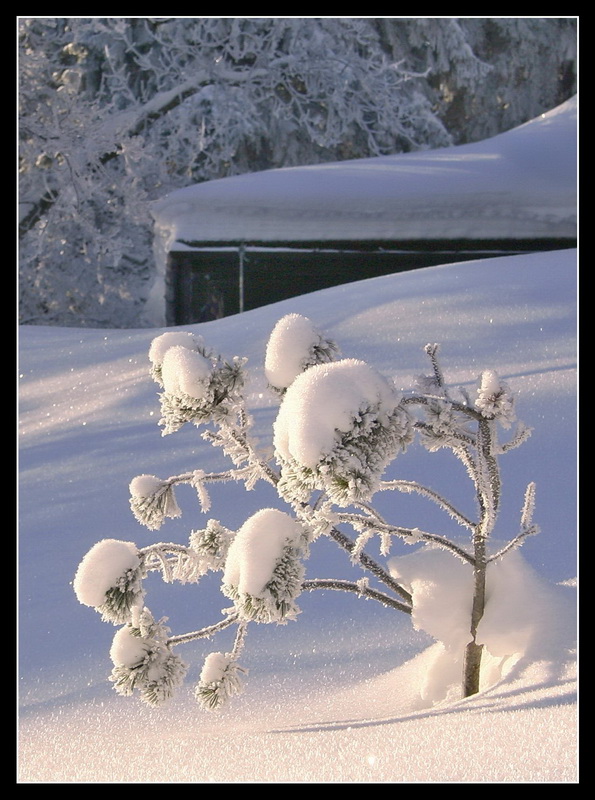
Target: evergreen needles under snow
{"points": [[338, 427]]}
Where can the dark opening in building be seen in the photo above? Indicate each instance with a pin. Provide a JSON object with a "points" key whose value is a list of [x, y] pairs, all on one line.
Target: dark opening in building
{"points": [[210, 280]]}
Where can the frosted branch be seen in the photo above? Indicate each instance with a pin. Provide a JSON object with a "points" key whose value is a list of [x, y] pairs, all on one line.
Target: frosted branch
{"points": [[514, 543], [350, 586], [432, 351], [368, 563], [356, 520], [412, 486], [203, 633], [521, 435], [528, 506]]}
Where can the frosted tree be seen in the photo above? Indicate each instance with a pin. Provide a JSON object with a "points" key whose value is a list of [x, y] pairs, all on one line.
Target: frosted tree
{"points": [[116, 112], [339, 424]]}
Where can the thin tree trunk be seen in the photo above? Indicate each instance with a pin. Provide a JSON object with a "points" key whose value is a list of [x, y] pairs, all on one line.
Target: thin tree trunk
{"points": [[473, 651]]}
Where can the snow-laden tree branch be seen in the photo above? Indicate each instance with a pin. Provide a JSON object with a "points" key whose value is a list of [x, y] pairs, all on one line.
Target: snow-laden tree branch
{"points": [[339, 425]]}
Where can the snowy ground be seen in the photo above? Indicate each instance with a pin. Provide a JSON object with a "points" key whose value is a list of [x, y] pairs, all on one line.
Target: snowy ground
{"points": [[334, 696]]}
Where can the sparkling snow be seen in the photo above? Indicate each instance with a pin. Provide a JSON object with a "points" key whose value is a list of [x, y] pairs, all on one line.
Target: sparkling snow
{"points": [[347, 692], [350, 692]]}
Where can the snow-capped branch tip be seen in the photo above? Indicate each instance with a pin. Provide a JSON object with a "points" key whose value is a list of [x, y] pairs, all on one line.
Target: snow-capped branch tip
{"points": [[263, 570], [221, 679], [143, 661], [494, 398], [199, 389], [338, 427], [109, 579], [294, 346], [161, 344], [152, 500]]}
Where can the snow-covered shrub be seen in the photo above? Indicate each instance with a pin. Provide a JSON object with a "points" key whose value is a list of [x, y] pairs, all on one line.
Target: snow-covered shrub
{"points": [[339, 424]]}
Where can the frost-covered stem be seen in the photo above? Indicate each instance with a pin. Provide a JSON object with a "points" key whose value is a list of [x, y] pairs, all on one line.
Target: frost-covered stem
{"points": [[465, 456], [368, 563], [241, 438], [461, 437], [432, 352], [238, 644], [203, 633], [350, 586], [489, 484], [385, 527], [424, 400], [488, 494], [412, 486]]}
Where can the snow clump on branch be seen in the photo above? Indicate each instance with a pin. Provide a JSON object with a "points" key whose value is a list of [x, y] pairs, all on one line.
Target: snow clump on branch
{"points": [[338, 427], [151, 500], [109, 579], [263, 571], [161, 344], [144, 661], [220, 680], [294, 346], [494, 398], [198, 385]]}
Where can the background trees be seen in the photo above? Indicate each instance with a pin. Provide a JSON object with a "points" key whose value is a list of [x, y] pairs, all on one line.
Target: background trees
{"points": [[116, 112]]}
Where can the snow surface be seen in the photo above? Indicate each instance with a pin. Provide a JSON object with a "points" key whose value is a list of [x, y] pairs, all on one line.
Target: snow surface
{"points": [[349, 692]]}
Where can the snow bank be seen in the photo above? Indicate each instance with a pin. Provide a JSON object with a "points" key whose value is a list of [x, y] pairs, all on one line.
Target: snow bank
{"points": [[525, 617], [518, 184]]}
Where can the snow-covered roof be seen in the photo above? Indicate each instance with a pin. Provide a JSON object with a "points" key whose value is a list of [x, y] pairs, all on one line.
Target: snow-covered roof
{"points": [[520, 184]]}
